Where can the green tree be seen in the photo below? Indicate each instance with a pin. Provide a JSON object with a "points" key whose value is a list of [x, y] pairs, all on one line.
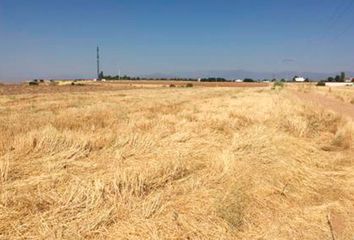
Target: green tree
{"points": [[100, 76], [342, 76], [248, 80], [337, 78]]}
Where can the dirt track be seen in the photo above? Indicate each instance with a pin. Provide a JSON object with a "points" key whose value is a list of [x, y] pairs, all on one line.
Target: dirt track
{"points": [[337, 106]]}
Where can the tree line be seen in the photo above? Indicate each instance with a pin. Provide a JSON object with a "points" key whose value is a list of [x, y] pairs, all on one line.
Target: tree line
{"points": [[337, 78]]}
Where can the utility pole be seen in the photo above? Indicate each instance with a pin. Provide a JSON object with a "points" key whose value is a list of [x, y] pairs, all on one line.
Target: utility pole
{"points": [[98, 63]]}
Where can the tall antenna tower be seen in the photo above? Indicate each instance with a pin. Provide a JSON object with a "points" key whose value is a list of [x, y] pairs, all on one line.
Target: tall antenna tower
{"points": [[98, 63]]}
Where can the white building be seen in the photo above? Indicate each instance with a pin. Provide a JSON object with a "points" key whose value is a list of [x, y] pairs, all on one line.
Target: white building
{"points": [[238, 80], [299, 79], [339, 84]]}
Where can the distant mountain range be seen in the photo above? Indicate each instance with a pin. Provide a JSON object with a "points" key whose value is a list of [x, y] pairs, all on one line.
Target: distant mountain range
{"points": [[241, 74]]}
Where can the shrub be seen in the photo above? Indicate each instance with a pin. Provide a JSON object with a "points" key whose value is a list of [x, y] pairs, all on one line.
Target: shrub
{"points": [[33, 83], [77, 84], [189, 85], [172, 85], [248, 80], [321, 84], [52, 82], [277, 84]]}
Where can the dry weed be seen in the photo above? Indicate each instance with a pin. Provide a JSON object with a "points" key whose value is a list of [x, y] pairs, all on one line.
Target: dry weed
{"points": [[173, 163]]}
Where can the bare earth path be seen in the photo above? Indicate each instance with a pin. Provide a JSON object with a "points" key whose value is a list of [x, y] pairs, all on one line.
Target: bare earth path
{"points": [[337, 106]]}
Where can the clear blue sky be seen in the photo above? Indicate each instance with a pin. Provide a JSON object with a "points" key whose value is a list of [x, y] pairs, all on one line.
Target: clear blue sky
{"points": [[42, 38]]}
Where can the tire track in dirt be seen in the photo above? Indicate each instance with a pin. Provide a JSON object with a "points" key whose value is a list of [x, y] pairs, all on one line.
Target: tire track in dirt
{"points": [[342, 108]]}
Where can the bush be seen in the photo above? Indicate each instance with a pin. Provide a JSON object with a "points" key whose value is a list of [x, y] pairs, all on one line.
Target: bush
{"points": [[172, 85], [248, 80], [52, 82], [33, 83], [277, 84], [189, 85], [213, 79], [77, 84], [321, 84]]}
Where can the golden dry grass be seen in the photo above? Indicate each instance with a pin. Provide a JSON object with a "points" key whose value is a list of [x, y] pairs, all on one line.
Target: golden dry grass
{"points": [[203, 163], [343, 94]]}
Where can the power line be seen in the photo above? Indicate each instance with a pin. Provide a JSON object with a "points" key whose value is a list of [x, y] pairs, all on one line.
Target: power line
{"points": [[348, 26], [343, 32], [337, 14], [340, 10]]}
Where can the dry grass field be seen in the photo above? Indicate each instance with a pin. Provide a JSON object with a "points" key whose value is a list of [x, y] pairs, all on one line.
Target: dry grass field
{"points": [[174, 163], [91, 86], [343, 94]]}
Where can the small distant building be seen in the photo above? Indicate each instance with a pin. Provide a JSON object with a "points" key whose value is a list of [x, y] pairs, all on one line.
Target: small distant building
{"points": [[339, 84], [238, 80], [349, 80], [299, 79]]}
